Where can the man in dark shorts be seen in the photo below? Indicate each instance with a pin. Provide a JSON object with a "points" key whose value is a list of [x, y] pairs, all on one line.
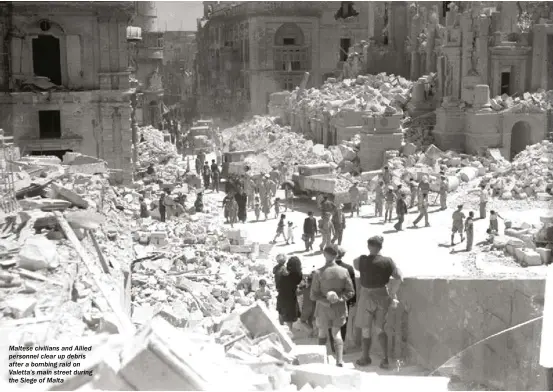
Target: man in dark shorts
{"points": [[331, 289], [374, 298]]}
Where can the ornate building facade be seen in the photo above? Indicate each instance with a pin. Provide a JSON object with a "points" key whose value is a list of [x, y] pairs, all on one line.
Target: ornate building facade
{"points": [[65, 80], [248, 50]]}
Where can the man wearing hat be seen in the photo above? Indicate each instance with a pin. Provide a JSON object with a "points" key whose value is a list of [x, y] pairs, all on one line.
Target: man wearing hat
{"points": [[423, 212], [332, 288], [326, 228], [351, 302], [354, 197], [457, 227], [424, 187], [443, 193], [401, 210], [374, 297], [339, 223]]}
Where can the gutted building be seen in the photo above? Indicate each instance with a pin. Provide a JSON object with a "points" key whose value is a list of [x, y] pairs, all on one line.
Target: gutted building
{"points": [[179, 64], [65, 78], [248, 50]]}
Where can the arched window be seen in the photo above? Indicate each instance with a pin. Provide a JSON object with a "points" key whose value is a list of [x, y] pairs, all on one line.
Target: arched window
{"points": [[291, 54], [289, 34]]}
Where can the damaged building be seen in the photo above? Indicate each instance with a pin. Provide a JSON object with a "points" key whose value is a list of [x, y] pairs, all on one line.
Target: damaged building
{"points": [[179, 79], [249, 50], [477, 68], [65, 81]]}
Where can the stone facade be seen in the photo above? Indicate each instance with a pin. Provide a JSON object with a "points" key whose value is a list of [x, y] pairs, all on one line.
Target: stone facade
{"points": [[249, 50], [480, 51], [148, 64], [179, 62], [88, 108]]}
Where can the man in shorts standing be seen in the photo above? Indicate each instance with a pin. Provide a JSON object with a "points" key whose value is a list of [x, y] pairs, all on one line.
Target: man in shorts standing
{"points": [[457, 227], [374, 298], [332, 288]]}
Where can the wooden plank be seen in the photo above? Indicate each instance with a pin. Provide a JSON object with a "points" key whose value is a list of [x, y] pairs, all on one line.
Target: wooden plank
{"points": [[103, 262], [124, 321], [37, 276]]}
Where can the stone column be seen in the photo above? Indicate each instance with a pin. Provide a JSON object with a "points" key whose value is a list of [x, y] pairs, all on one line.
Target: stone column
{"points": [[482, 98], [415, 65]]}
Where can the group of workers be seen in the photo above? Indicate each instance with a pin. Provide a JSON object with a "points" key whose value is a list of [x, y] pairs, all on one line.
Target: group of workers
{"points": [[330, 294]]}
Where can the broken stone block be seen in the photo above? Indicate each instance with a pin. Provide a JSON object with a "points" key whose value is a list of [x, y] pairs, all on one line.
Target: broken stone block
{"points": [[44, 204], [545, 254], [21, 306], [500, 242], [89, 220], [468, 173], [310, 354], [531, 257], [158, 238], [160, 357], [70, 196], [409, 149], [507, 195], [176, 314], [38, 253], [519, 255], [544, 196], [259, 322], [323, 375]]}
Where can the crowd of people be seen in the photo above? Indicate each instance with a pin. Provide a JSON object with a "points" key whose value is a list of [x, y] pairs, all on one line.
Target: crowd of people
{"points": [[330, 294]]}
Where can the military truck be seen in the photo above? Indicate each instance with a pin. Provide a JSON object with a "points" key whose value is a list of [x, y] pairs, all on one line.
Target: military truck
{"points": [[233, 162], [319, 180]]}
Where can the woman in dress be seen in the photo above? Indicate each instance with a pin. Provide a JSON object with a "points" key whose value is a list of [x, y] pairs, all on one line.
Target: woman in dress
{"points": [[287, 287]]}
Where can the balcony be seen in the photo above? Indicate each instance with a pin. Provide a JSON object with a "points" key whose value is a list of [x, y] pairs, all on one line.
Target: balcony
{"points": [[153, 53], [292, 58], [268, 8]]}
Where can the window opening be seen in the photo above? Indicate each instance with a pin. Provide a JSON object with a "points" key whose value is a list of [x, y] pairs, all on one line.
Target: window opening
{"points": [[46, 58], [346, 10], [505, 82], [49, 123], [345, 44], [288, 41]]}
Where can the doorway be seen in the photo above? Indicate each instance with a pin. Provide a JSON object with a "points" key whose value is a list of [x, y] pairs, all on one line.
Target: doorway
{"points": [[521, 136], [46, 58], [505, 83], [345, 44], [49, 124]]}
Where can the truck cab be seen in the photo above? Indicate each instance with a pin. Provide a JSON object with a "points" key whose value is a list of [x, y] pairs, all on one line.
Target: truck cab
{"points": [[234, 157]]}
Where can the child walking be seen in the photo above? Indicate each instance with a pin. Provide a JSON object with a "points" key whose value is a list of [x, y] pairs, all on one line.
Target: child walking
{"points": [[291, 228], [276, 205], [280, 229], [257, 208], [494, 224]]}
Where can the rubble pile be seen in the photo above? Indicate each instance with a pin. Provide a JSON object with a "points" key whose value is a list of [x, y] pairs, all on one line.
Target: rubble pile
{"points": [[273, 143], [527, 103], [418, 130], [527, 176], [378, 94], [185, 269], [155, 148]]}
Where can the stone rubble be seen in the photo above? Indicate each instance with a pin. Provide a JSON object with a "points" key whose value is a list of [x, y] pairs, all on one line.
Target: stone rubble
{"points": [[382, 93]]}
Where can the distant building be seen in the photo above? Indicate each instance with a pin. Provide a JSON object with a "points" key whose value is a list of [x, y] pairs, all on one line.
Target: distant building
{"points": [[179, 73], [149, 61], [248, 50]]}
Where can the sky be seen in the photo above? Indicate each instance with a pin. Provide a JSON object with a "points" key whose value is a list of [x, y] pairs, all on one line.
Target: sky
{"points": [[178, 15]]}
